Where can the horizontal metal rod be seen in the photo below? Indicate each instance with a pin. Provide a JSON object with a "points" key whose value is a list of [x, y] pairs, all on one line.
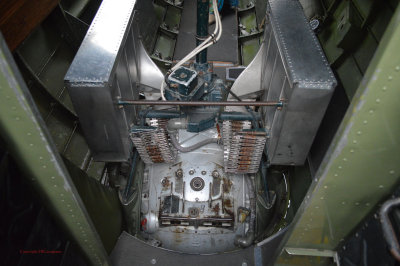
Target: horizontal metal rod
{"points": [[199, 103]]}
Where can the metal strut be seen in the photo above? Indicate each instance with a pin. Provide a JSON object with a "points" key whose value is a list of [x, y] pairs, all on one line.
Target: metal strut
{"points": [[202, 28], [200, 103]]}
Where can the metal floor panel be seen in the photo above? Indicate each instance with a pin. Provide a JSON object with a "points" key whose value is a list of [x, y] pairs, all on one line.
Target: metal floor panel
{"points": [[225, 50], [131, 251]]}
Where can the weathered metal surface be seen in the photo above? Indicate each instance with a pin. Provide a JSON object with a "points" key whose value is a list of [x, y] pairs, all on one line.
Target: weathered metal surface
{"points": [[43, 59], [195, 201], [264, 251], [361, 167], [203, 10], [294, 69], [132, 251], [145, 31], [112, 63], [349, 37], [152, 143], [248, 84], [243, 148], [100, 72], [300, 260], [102, 204], [28, 140]]}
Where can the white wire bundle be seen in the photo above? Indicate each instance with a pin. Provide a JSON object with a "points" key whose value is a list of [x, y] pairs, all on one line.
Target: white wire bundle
{"points": [[204, 45]]}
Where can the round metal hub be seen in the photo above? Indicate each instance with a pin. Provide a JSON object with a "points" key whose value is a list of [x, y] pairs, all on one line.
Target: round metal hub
{"points": [[194, 212], [197, 183]]}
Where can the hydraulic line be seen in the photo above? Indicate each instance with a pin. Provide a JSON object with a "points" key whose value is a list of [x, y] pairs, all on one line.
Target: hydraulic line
{"points": [[248, 239], [200, 144]]}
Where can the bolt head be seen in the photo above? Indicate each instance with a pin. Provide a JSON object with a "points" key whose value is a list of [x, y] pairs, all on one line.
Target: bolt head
{"points": [[215, 174], [179, 173]]}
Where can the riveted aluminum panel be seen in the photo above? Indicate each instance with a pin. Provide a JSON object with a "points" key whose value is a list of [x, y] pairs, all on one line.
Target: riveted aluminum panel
{"points": [[130, 249], [112, 63], [295, 70], [361, 167]]}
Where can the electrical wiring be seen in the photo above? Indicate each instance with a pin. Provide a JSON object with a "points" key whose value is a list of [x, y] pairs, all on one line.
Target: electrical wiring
{"points": [[205, 44], [213, 38]]}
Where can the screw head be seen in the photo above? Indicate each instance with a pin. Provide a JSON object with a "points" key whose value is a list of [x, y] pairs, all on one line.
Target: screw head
{"points": [[194, 212], [215, 174], [179, 173], [164, 182], [191, 172]]}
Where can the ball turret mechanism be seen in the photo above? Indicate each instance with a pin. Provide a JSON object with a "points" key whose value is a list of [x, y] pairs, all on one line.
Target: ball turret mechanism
{"points": [[200, 161]]}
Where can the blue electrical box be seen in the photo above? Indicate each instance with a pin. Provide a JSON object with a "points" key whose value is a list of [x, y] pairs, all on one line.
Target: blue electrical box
{"points": [[184, 85]]}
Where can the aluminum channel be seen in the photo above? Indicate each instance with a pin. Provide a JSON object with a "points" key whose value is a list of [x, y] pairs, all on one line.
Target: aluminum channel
{"points": [[111, 63], [294, 68]]}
